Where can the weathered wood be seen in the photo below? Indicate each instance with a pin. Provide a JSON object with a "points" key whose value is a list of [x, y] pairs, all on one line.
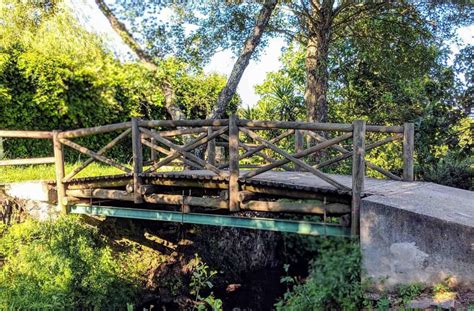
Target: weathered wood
{"points": [[95, 130], [233, 164], [137, 150], [32, 161], [201, 140], [358, 173], [182, 131], [245, 196], [299, 143], [295, 160], [153, 155], [177, 199], [316, 207], [105, 194], [259, 148], [211, 148], [94, 155], [183, 123], [102, 151], [408, 147], [248, 148], [101, 183], [297, 194], [26, 134], [298, 155], [347, 153], [186, 183], [252, 124], [59, 167], [182, 150], [168, 152]]}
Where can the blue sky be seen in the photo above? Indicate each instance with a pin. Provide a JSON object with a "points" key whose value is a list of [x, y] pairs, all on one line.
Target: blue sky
{"points": [[89, 15]]}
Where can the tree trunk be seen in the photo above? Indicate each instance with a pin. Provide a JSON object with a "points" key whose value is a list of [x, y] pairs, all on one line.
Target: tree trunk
{"points": [[170, 103], [242, 62], [316, 65], [317, 74]]}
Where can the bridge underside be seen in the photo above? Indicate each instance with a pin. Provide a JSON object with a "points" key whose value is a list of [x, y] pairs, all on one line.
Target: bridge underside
{"points": [[201, 197]]}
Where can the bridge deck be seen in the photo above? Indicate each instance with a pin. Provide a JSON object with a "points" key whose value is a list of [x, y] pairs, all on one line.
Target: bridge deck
{"points": [[302, 181]]}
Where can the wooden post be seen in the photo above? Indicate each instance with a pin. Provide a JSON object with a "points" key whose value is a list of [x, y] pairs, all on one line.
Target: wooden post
{"points": [[137, 161], [211, 148], [358, 173], [408, 146], [2, 151], [153, 151], [59, 166], [299, 144], [233, 164]]}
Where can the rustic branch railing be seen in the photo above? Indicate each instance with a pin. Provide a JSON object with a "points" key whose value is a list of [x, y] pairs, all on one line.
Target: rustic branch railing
{"points": [[244, 141]]}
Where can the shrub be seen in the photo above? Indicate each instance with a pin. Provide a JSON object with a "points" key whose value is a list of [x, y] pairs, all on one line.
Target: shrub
{"points": [[60, 264], [333, 283], [451, 171]]}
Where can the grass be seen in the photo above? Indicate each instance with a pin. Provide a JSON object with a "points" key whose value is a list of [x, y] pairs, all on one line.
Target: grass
{"points": [[47, 172]]}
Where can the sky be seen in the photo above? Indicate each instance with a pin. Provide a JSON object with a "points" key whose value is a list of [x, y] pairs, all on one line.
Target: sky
{"points": [[93, 19]]}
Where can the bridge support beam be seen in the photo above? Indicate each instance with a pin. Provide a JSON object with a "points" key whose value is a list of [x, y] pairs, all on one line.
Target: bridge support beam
{"points": [[59, 166], [300, 227]]}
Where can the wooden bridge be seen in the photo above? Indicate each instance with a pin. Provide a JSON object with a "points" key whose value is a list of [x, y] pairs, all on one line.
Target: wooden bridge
{"points": [[248, 167]]}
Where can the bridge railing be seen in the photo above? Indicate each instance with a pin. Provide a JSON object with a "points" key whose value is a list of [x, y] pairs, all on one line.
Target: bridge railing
{"points": [[251, 148]]}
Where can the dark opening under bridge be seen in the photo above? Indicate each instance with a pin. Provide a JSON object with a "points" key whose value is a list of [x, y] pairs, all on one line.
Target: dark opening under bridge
{"points": [[260, 166]]}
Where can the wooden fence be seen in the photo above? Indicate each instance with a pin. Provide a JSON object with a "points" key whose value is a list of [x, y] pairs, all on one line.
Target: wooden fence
{"points": [[264, 145]]}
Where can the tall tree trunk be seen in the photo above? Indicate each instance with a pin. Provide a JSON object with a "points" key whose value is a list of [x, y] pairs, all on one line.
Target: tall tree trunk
{"points": [[170, 103], [317, 74], [242, 62], [316, 66]]}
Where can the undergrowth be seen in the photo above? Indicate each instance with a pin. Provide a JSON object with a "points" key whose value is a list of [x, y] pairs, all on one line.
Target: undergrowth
{"points": [[61, 264], [333, 283]]}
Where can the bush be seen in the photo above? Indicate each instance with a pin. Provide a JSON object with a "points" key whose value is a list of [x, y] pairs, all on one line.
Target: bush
{"points": [[333, 283], [60, 264], [451, 171]]}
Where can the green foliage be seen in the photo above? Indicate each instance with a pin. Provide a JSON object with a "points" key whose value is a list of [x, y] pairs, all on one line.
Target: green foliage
{"points": [[451, 171], [200, 281], [60, 264], [333, 283], [408, 292]]}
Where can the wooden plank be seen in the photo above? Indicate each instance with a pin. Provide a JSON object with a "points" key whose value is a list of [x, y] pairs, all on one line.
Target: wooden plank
{"points": [[105, 194], [59, 167], [182, 151], [301, 154], [95, 130], [26, 134], [292, 193], [358, 174], [177, 199], [295, 160], [211, 148], [137, 160], [94, 155], [233, 164], [408, 147], [183, 123], [31, 161], [102, 151], [316, 207]]}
